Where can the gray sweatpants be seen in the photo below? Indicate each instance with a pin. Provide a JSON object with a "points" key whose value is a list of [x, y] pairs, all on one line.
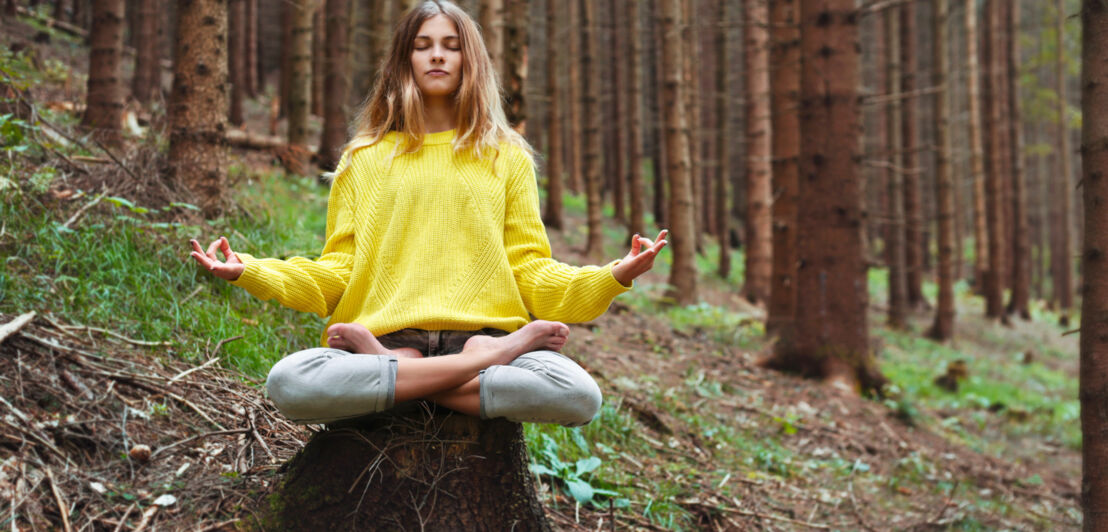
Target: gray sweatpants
{"points": [[324, 385]]}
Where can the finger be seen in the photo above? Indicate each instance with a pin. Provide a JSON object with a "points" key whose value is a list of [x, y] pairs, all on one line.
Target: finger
{"points": [[225, 247], [636, 245], [196, 246], [662, 234], [211, 250], [201, 258]]}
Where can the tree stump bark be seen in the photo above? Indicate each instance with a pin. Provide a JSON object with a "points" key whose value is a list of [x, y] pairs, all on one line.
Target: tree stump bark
{"points": [[415, 467]]}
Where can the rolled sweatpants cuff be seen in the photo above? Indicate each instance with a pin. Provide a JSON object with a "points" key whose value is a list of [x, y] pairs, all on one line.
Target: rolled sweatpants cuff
{"points": [[540, 387], [323, 385]]}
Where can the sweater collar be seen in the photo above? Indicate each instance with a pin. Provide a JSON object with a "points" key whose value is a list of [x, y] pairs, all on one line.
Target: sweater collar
{"points": [[442, 137]]}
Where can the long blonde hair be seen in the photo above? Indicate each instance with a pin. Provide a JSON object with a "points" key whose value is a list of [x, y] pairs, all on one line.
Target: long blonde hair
{"points": [[396, 104]]}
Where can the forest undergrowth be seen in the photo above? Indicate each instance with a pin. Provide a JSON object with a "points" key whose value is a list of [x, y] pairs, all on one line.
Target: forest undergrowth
{"points": [[692, 434]]}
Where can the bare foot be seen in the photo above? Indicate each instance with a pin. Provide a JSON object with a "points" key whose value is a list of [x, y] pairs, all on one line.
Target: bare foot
{"points": [[535, 336], [354, 337]]}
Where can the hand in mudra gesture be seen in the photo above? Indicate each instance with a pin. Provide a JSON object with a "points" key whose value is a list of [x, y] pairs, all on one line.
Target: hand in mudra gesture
{"points": [[641, 258], [228, 269]]}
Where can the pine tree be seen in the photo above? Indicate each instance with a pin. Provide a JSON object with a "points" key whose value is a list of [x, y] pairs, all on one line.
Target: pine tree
{"points": [[197, 106], [943, 326], [759, 191], [104, 113], [682, 278]]}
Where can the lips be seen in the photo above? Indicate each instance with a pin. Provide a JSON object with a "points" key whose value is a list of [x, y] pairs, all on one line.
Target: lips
{"points": [[437, 72]]}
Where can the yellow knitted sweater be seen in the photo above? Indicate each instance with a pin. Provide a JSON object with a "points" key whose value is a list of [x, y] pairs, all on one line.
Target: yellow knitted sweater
{"points": [[435, 240]]}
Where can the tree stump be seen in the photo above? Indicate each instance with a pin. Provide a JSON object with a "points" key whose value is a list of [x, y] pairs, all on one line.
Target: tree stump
{"points": [[416, 467]]}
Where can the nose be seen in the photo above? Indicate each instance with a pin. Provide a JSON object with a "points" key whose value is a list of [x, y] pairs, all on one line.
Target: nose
{"points": [[437, 55]]}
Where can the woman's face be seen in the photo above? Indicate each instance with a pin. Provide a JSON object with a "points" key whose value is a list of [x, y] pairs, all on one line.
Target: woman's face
{"points": [[437, 57]]}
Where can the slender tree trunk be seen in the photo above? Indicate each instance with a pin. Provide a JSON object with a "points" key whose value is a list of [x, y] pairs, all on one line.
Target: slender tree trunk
{"points": [[1021, 265], [943, 326], [198, 103], [236, 55], [785, 85], [661, 155], [148, 69], [252, 77], [1094, 265], [1063, 280], [723, 140], [914, 243], [683, 274], [300, 84], [994, 181], [759, 192], [336, 83], [577, 126], [616, 125], [513, 72], [590, 64], [554, 183], [104, 114], [61, 10], [318, 60], [977, 162], [691, 66], [635, 122], [830, 246], [288, 13], [491, 17], [895, 241]]}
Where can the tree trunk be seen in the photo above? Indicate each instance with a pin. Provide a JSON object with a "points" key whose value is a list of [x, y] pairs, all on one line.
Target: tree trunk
{"points": [[690, 92], [635, 122], [977, 163], [1063, 278], [418, 466], [661, 159], [830, 247], [514, 69], [682, 278], [148, 68], [1021, 265], [198, 103], [491, 18], [994, 180], [252, 77], [723, 138], [554, 183], [943, 327], [62, 10], [615, 126], [759, 192], [576, 126], [318, 57], [335, 84], [590, 64], [1094, 265], [288, 14], [896, 255], [300, 84], [914, 243], [236, 55], [104, 114], [785, 86]]}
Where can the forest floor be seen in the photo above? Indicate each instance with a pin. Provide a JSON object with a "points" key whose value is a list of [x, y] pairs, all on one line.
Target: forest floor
{"points": [[132, 346]]}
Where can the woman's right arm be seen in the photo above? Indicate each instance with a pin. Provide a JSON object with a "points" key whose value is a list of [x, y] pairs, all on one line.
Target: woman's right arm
{"points": [[298, 283]]}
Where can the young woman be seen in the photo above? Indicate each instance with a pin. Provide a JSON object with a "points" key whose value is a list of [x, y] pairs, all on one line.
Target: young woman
{"points": [[434, 252]]}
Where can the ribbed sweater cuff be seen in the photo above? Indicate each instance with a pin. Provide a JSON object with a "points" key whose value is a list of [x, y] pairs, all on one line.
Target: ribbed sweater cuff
{"points": [[250, 278]]}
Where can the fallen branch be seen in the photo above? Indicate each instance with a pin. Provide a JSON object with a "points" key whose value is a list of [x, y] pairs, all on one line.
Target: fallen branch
{"points": [[783, 519], [81, 211], [224, 341], [62, 508], [116, 335], [15, 325], [185, 373], [160, 450]]}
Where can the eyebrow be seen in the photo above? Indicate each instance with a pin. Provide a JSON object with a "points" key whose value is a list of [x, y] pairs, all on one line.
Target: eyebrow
{"points": [[428, 37]]}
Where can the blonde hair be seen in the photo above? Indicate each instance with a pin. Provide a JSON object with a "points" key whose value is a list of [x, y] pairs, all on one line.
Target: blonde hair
{"points": [[396, 104]]}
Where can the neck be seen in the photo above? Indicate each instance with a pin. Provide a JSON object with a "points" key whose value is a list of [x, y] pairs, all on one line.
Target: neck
{"points": [[438, 114]]}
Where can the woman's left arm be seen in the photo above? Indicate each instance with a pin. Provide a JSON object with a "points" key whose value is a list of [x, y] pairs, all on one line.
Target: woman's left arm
{"points": [[550, 289]]}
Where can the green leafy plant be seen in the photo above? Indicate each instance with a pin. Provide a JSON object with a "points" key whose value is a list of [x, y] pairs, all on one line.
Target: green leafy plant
{"points": [[576, 476]]}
